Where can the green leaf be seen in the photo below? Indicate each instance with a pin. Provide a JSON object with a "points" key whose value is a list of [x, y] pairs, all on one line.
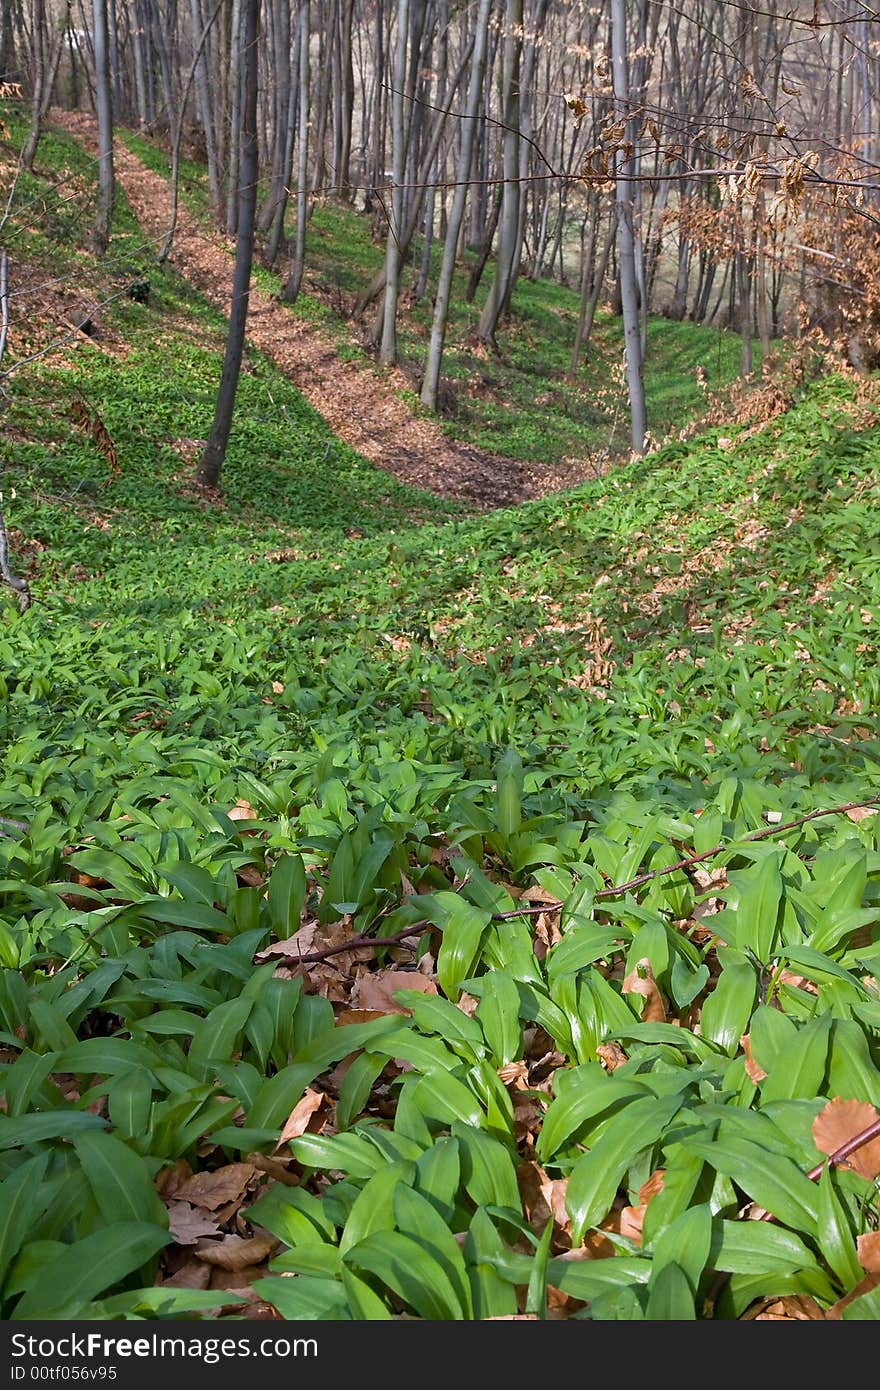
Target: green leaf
{"points": [[594, 1093], [726, 1012], [866, 1308], [105, 1057], [670, 1297], [685, 1243], [595, 1178], [799, 1067], [770, 1179], [418, 1218], [286, 895], [536, 1293], [363, 1303], [218, 1035], [488, 1170], [410, 1272], [463, 926], [22, 1198], [834, 1233], [52, 1124], [90, 1266], [758, 1247], [119, 1179], [373, 1210], [498, 1015], [301, 1298], [440, 1096]]}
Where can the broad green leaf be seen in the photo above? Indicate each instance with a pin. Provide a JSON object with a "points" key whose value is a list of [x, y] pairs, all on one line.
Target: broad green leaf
{"points": [[286, 895], [119, 1179], [90, 1266], [684, 1243], [799, 1067], [22, 1198], [498, 1015], [726, 1012], [770, 1179], [595, 1178], [301, 1298], [594, 1093], [410, 1272], [488, 1171], [670, 1296], [52, 1124], [418, 1218], [374, 1209], [834, 1234]]}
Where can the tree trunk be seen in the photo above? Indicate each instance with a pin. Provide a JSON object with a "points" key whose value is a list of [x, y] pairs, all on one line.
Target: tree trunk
{"points": [[626, 246], [388, 343], [456, 216], [208, 472], [294, 280], [508, 236], [104, 105]]}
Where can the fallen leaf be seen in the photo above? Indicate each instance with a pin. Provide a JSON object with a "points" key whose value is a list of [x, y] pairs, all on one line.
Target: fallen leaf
{"points": [[865, 1285], [651, 1186], [235, 1252], [792, 1308], [611, 1055], [869, 1251], [277, 687], [861, 813], [298, 1120], [753, 1071], [242, 810], [543, 1199], [219, 1188], [842, 1120], [192, 1275], [374, 989], [189, 1224], [641, 981]]}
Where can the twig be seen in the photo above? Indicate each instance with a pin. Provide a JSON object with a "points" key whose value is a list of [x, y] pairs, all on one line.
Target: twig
{"points": [[768, 830], [840, 1155], [355, 943]]}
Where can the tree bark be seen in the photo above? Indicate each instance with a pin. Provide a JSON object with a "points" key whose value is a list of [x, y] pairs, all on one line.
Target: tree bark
{"points": [[626, 244], [211, 463], [104, 106]]}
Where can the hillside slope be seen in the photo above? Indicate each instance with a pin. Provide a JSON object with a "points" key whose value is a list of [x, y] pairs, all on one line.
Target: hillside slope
{"points": [[247, 739]]}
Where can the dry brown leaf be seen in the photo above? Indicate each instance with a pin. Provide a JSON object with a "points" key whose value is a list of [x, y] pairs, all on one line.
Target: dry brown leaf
{"points": [[298, 1121], [651, 1186], [754, 1072], [861, 813], [543, 1198], [358, 1016], [277, 688], [869, 1252], [236, 1252], [300, 944], [250, 876], [792, 1308], [842, 1120], [188, 1224], [611, 1055], [191, 1275], [242, 810], [641, 981], [218, 1189], [865, 1285], [374, 990]]}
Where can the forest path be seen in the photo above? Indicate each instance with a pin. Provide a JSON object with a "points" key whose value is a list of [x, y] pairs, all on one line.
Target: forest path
{"points": [[361, 405]]}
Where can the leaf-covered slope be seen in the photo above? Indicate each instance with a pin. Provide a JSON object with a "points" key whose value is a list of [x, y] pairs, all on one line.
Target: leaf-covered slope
{"points": [[245, 740]]}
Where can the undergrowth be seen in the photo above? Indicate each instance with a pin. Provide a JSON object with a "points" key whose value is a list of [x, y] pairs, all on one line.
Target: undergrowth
{"points": [[242, 733]]}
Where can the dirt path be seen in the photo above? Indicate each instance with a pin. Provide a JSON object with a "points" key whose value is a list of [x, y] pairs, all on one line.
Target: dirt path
{"points": [[359, 404]]}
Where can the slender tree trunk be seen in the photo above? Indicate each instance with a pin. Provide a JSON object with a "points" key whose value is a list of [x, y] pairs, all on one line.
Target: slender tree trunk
{"points": [[39, 40], [208, 472], [294, 280], [388, 343], [456, 216], [626, 248], [508, 236], [104, 105]]}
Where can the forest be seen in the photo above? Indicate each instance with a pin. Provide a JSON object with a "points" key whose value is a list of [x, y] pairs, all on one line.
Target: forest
{"points": [[439, 616]]}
